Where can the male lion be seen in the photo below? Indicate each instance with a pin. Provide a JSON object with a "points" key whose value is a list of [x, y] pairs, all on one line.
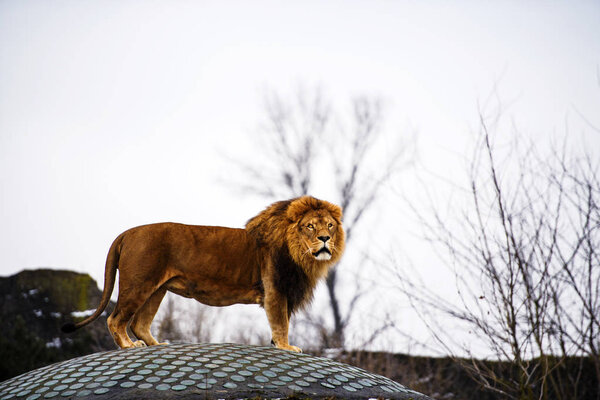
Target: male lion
{"points": [[275, 261]]}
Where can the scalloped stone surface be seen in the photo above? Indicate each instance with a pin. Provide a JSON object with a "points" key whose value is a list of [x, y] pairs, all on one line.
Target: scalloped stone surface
{"points": [[213, 371]]}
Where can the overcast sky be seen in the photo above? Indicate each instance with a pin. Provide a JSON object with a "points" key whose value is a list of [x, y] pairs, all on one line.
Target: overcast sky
{"points": [[119, 113]]}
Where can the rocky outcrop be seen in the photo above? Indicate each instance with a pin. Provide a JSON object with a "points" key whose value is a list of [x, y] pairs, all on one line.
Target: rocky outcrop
{"points": [[33, 306]]}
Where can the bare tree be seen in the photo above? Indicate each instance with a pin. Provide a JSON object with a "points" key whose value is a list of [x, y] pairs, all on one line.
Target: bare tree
{"points": [[202, 323], [291, 134], [169, 326], [302, 139], [524, 254], [359, 181]]}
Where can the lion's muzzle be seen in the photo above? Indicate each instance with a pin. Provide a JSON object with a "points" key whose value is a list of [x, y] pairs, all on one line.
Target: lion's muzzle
{"points": [[323, 253], [324, 239]]}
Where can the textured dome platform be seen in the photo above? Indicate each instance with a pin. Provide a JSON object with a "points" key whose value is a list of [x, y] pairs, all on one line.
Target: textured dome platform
{"points": [[212, 371]]}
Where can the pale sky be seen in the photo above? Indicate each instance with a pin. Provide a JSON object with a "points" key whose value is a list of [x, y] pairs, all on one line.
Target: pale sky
{"points": [[119, 113]]}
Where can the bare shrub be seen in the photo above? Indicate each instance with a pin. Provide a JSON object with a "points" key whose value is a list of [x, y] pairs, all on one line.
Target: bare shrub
{"points": [[524, 254]]}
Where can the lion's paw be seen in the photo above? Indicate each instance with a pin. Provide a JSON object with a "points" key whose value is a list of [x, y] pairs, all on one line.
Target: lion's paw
{"points": [[291, 348], [295, 349], [139, 343]]}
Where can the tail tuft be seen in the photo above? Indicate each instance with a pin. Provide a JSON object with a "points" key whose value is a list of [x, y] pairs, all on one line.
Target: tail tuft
{"points": [[69, 327]]}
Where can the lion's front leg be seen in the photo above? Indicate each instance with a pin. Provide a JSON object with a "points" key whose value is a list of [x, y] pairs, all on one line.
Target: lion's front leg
{"points": [[276, 308]]}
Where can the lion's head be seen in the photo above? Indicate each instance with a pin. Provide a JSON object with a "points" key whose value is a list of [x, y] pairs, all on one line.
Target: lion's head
{"points": [[310, 228]]}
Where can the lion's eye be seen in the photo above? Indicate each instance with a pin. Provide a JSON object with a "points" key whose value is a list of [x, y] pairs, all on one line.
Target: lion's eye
{"points": [[330, 225], [310, 226]]}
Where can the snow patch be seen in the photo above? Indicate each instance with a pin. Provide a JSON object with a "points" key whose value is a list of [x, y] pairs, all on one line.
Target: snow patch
{"points": [[31, 292], [55, 314], [56, 343], [38, 313], [333, 353], [82, 314]]}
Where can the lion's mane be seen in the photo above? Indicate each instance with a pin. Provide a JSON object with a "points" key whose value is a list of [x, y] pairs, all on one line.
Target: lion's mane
{"points": [[297, 271]]}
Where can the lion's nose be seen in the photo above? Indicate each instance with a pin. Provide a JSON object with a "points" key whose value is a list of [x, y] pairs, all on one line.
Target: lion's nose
{"points": [[324, 238]]}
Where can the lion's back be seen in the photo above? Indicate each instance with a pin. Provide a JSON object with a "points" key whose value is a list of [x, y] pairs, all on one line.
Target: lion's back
{"points": [[189, 245]]}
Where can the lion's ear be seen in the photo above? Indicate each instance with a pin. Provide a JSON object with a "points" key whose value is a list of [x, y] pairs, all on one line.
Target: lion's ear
{"points": [[335, 211], [299, 206]]}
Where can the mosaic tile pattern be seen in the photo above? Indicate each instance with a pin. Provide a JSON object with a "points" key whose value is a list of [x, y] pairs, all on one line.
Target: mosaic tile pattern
{"points": [[217, 371]]}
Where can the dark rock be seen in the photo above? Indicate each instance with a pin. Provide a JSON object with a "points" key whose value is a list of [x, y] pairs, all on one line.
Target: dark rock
{"points": [[34, 304]]}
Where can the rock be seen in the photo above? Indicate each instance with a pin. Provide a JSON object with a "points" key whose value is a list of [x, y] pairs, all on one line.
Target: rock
{"points": [[33, 306]]}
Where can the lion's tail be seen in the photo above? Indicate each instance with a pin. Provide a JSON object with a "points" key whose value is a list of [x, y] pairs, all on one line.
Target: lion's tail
{"points": [[110, 272]]}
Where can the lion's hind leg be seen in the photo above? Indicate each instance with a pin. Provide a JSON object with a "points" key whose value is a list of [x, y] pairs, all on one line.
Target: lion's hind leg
{"points": [[142, 320], [130, 300], [117, 326]]}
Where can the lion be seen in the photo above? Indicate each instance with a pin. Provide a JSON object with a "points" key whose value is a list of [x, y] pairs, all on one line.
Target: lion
{"points": [[276, 262]]}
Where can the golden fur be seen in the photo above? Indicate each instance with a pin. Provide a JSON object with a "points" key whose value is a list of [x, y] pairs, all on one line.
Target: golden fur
{"points": [[275, 261]]}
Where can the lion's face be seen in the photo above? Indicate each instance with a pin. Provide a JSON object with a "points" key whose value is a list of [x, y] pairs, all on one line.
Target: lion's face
{"points": [[310, 228], [318, 233]]}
